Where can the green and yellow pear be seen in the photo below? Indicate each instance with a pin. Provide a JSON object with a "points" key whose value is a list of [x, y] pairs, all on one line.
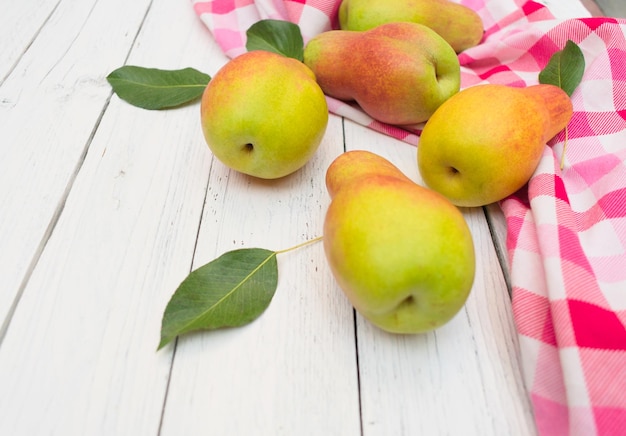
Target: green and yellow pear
{"points": [[485, 143], [402, 254], [460, 25], [263, 114], [398, 73]]}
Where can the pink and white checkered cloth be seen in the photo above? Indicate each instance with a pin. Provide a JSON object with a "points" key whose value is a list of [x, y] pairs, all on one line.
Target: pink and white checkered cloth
{"points": [[566, 235]]}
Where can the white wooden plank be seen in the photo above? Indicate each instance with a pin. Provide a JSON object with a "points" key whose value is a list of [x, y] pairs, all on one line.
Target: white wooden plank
{"points": [[293, 370], [613, 8], [51, 102], [463, 378], [19, 24], [79, 357], [592, 7]]}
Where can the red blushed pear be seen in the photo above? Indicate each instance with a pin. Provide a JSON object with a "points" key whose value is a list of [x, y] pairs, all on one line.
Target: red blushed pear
{"points": [[485, 143], [402, 254], [263, 114], [398, 73], [459, 25], [355, 166]]}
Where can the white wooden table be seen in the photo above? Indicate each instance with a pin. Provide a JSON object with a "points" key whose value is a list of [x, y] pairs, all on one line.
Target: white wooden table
{"points": [[104, 210]]}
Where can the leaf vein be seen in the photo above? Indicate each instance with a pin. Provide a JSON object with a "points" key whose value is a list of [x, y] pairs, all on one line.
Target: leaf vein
{"points": [[228, 294]]}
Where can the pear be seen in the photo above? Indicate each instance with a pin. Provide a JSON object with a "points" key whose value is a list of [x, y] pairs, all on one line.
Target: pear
{"points": [[263, 114], [398, 73], [485, 143], [461, 26], [402, 254]]}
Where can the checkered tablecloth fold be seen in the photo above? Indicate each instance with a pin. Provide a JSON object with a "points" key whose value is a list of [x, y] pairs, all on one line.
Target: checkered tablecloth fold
{"points": [[566, 230]]}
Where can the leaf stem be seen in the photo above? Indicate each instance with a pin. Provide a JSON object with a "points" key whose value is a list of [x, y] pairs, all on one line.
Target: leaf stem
{"points": [[303, 244], [564, 147]]}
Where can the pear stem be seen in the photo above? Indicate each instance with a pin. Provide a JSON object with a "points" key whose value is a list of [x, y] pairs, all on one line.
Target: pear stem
{"points": [[303, 244], [564, 147]]}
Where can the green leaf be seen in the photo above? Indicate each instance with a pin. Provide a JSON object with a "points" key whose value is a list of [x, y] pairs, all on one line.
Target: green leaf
{"points": [[277, 36], [565, 68], [230, 291], [151, 88]]}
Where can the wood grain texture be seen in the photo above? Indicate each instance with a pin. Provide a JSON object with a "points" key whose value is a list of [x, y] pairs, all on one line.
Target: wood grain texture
{"points": [[105, 210], [292, 371], [52, 103], [79, 355], [20, 24]]}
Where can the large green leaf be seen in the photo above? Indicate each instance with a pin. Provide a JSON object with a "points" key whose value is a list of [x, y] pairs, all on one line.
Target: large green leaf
{"points": [[277, 36], [230, 291], [565, 68], [152, 88]]}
